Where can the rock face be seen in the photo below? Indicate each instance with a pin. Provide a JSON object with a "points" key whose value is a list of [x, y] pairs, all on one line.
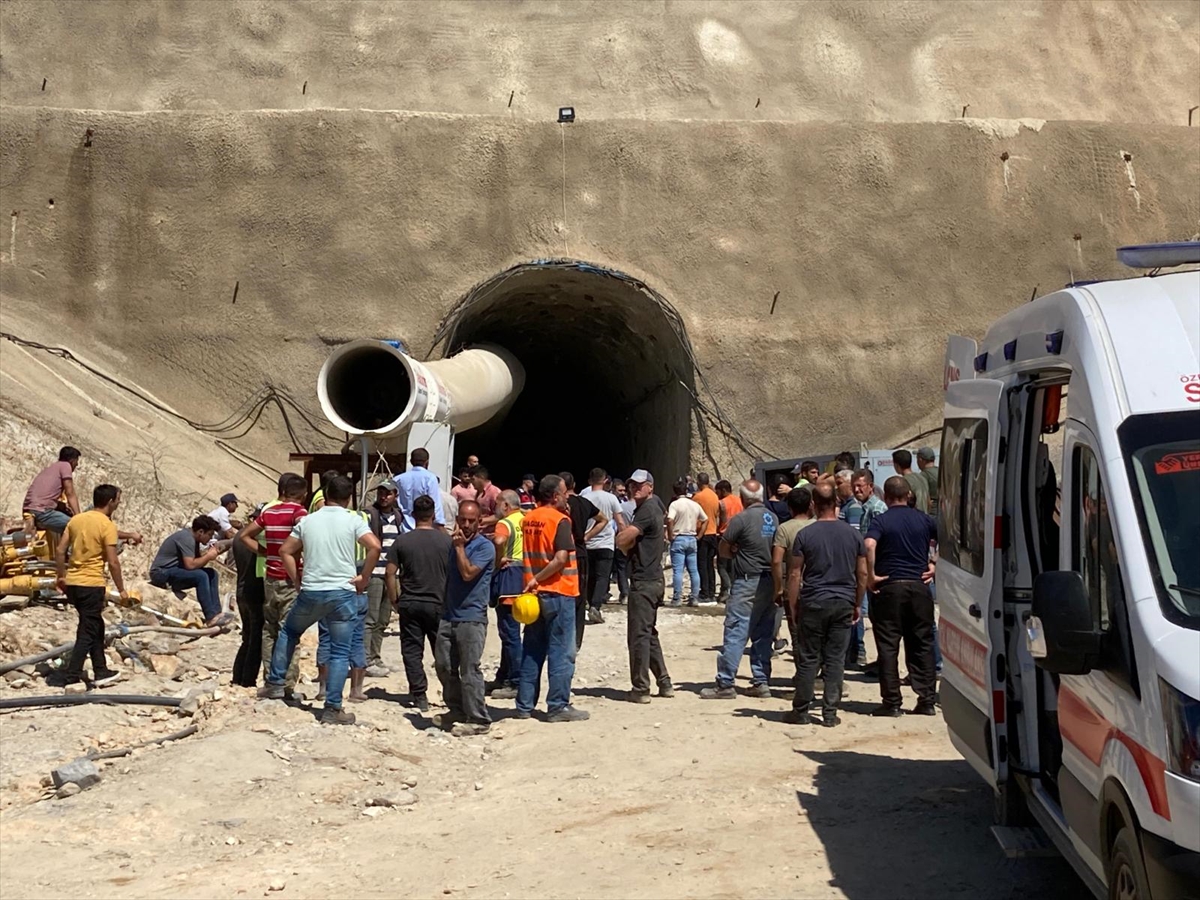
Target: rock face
{"points": [[81, 772], [164, 665], [857, 186]]}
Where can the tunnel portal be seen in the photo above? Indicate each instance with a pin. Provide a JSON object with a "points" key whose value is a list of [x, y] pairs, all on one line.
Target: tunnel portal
{"points": [[609, 376]]}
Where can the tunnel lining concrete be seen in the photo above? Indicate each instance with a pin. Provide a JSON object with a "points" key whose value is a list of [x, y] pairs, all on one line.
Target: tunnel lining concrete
{"points": [[610, 372]]}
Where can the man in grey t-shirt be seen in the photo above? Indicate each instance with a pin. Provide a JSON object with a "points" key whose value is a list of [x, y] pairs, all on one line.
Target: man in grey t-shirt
{"points": [[601, 547], [750, 611]]}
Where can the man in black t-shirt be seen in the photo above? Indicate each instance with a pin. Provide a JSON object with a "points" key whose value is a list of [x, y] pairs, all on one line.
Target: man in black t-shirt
{"points": [[644, 541], [417, 564], [898, 543], [582, 510], [826, 582]]}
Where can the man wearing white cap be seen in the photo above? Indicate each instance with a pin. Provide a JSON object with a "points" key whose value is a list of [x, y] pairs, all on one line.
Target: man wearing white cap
{"points": [[643, 541]]}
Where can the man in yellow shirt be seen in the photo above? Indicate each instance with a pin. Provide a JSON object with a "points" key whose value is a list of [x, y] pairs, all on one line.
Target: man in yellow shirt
{"points": [[92, 539]]}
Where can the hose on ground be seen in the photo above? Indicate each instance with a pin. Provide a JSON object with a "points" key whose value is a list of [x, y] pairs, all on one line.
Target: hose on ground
{"points": [[170, 629], [34, 660], [125, 751], [90, 697], [120, 632]]}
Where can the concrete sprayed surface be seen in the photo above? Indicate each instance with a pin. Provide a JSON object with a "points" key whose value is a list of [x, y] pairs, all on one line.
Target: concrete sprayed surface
{"points": [[681, 798], [330, 225], [718, 59]]}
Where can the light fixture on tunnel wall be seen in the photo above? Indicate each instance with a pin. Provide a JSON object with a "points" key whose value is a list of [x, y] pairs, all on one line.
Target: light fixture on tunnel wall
{"points": [[566, 114]]}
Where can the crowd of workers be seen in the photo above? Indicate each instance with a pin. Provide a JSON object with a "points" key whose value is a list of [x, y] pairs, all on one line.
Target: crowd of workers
{"points": [[818, 553]]}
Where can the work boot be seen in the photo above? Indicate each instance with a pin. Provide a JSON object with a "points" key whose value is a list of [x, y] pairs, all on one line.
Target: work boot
{"points": [[798, 717], [505, 692], [421, 702], [666, 690], [831, 721], [470, 729], [706, 601], [333, 716], [594, 616], [674, 603], [719, 693], [923, 709], [887, 712], [446, 720], [638, 697], [62, 679], [270, 692], [378, 671], [569, 714], [762, 689]]}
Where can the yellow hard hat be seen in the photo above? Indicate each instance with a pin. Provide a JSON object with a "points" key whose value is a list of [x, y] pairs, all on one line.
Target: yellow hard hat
{"points": [[526, 608]]}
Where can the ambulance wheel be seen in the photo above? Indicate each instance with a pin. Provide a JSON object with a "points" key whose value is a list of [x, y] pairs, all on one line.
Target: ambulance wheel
{"points": [[1126, 871]]}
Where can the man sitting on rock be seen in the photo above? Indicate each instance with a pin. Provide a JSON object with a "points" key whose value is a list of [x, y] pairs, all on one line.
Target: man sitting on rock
{"points": [[180, 565]]}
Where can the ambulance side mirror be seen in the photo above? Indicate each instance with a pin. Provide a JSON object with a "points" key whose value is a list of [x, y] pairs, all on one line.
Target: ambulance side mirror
{"points": [[1061, 634]]}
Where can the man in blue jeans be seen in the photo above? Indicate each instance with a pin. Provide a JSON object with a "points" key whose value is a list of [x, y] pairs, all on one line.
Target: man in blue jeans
{"points": [[548, 544], [750, 611], [179, 565], [328, 539]]}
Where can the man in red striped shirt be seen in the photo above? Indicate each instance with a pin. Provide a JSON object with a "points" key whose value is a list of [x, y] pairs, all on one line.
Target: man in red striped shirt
{"points": [[276, 522]]}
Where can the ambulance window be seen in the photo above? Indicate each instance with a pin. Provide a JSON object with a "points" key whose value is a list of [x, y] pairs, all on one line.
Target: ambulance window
{"points": [[962, 490], [1094, 555], [1095, 550]]}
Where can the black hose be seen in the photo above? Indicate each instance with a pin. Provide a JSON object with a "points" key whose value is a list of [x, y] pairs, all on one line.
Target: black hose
{"points": [[125, 751], [89, 697]]}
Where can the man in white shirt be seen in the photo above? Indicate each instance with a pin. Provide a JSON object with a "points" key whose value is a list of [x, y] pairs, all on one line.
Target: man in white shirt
{"points": [[601, 547], [221, 515], [685, 520]]}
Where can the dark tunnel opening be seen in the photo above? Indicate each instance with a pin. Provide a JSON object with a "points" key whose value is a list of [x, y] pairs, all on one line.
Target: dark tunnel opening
{"points": [[608, 374], [369, 389]]}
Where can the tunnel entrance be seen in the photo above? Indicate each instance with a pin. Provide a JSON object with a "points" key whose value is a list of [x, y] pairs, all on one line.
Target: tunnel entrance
{"points": [[609, 376]]}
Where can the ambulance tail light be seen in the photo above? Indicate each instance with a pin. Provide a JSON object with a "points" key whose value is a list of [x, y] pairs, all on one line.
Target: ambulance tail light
{"points": [[1182, 715]]}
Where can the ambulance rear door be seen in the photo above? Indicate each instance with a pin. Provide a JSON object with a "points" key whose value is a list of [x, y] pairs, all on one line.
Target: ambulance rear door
{"points": [[969, 578]]}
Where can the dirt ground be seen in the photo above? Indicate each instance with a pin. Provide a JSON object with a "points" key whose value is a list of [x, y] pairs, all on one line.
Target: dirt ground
{"points": [[680, 798]]}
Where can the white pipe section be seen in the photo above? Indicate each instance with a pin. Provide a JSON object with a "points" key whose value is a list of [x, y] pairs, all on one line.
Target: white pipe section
{"points": [[372, 388]]}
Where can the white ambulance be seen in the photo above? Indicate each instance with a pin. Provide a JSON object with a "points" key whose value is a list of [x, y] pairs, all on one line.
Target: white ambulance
{"points": [[1069, 571]]}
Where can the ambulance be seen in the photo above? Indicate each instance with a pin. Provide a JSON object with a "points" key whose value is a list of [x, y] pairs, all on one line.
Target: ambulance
{"points": [[1068, 572]]}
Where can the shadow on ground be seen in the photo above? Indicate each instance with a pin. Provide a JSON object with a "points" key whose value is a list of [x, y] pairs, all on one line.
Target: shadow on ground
{"points": [[891, 827]]}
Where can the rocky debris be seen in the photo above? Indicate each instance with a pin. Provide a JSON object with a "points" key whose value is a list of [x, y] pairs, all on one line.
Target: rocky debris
{"points": [[81, 772], [410, 781], [162, 646], [392, 799], [277, 884], [77, 688], [68, 790], [196, 697], [166, 665]]}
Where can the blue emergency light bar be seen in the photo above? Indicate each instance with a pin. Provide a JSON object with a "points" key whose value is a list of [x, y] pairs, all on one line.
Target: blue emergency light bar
{"points": [[1160, 256]]}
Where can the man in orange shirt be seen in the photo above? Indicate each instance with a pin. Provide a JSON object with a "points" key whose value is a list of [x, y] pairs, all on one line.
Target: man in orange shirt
{"points": [[552, 572], [731, 505], [707, 542]]}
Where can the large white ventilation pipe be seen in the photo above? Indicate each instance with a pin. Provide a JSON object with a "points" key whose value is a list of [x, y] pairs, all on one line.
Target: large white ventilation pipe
{"points": [[373, 388]]}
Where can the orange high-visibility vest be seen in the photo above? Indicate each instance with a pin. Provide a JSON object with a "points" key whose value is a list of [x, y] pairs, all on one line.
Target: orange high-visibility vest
{"points": [[537, 534]]}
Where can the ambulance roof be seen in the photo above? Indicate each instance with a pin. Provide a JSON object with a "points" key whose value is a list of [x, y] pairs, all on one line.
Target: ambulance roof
{"points": [[1147, 329]]}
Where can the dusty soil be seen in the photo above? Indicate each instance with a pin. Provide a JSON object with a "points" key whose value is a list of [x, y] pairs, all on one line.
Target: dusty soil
{"points": [[680, 798]]}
